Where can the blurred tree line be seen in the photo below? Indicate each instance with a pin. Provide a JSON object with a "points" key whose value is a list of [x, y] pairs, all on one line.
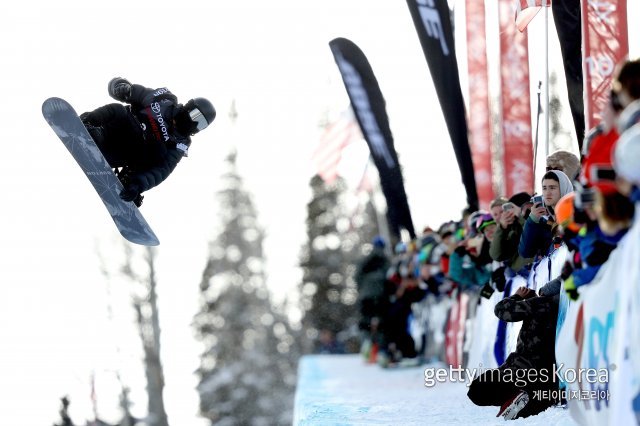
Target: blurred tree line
{"points": [[250, 346]]}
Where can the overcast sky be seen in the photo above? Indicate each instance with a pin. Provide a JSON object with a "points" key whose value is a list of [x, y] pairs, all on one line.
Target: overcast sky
{"points": [[273, 59]]}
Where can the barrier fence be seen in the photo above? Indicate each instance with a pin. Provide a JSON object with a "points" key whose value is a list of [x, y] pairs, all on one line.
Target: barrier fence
{"points": [[598, 336]]}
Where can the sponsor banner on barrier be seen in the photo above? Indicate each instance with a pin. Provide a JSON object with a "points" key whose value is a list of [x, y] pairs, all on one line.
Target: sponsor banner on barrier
{"points": [[598, 333]]}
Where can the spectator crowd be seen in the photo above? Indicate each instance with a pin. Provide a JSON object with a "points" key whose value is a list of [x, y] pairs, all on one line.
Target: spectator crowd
{"points": [[586, 208]]}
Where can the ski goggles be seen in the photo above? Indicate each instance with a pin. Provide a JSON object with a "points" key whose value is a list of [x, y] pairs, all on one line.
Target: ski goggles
{"points": [[197, 117]]}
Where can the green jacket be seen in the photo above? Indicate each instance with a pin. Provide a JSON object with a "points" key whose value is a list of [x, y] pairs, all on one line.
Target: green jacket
{"points": [[504, 247], [467, 273]]}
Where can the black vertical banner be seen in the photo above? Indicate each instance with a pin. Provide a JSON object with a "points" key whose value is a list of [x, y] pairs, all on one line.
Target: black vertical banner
{"points": [[568, 19], [370, 111], [433, 24]]}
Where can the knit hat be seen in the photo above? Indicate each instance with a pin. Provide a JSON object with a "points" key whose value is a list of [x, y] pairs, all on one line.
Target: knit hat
{"points": [[564, 212], [484, 221], [378, 242], [564, 161], [520, 199], [473, 221]]}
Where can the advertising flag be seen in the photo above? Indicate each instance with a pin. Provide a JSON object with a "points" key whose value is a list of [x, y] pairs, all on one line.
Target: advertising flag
{"points": [[370, 110]]}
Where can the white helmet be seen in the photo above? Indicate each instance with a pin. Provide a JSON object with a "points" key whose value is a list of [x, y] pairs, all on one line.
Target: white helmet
{"points": [[626, 157]]}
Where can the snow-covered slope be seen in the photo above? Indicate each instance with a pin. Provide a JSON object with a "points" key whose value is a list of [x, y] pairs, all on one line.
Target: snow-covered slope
{"points": [[343, 390]]}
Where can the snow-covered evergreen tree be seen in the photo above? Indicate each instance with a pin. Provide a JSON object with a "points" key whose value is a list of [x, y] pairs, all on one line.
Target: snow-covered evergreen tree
{"points": [[560, 136], [337, 238], [247, 372], [138, 266]]}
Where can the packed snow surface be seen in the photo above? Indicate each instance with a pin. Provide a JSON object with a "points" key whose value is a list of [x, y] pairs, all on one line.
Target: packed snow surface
{"points": [[344, 390]]}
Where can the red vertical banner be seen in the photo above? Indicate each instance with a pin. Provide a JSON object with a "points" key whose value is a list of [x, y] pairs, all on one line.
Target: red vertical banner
{"points": [[479, 112], [516, 107], [606, 43]]}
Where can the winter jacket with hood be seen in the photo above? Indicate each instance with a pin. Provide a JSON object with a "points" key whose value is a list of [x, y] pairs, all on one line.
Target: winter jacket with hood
{"points": [[141, 136], [536, 341], [504, 247], [537, 236], [470, 271]]}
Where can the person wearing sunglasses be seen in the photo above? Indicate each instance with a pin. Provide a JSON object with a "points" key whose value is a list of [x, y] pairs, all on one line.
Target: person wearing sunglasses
{"points": [[145, 139]]}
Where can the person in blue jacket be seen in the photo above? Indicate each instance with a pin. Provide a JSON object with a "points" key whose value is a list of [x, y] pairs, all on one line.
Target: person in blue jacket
{"points": [[539, 229]]}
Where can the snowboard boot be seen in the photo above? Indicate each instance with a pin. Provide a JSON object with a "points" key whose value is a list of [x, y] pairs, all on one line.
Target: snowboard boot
{"points": [[124, 174], [513, 406]]}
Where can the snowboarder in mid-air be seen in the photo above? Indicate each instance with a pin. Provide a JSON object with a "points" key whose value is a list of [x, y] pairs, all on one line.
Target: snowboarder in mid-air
{"points": [[145, 140]]}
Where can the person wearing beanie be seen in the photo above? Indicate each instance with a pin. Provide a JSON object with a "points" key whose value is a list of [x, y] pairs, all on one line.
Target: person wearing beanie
{"points": [[620, 113], [371, 277], [504, 246], [522, 200], [487, 227], [469, 264], [614, 212], [598, 240]]}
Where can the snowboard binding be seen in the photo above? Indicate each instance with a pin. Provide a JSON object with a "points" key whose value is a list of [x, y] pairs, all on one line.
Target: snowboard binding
{"points": [[124, 174]]}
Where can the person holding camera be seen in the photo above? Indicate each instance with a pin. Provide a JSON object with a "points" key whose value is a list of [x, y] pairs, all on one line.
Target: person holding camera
{"points": [[470, 263], [504, 247], [495, 208], [539, 229]]}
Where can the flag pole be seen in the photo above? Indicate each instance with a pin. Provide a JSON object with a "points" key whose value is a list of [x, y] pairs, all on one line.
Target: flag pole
{"points": [[546, 76], [536, 139]]}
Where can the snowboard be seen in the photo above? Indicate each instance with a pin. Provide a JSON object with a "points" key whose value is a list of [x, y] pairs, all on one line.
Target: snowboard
{"points": [[67, 125]]}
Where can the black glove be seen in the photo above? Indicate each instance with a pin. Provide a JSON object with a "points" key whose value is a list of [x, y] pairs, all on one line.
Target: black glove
{"points": [[498, 278], [487, 291], [461, 250], [120, 89], [567, 270], [86, 117], [130, 192]]}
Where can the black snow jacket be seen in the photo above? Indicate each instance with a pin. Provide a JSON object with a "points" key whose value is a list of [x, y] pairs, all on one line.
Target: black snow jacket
{"points": [[371, 275], [141, 136]]}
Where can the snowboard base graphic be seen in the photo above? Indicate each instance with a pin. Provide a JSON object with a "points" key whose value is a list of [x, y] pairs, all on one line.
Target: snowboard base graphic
{"points": [[65, 122]]}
